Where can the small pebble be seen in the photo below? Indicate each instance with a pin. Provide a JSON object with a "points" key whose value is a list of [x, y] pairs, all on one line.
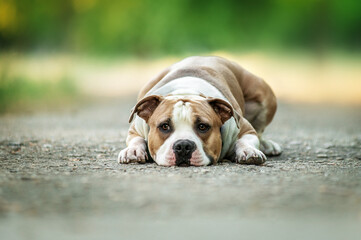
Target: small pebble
{"points": [[205, 171], [328, 145]]}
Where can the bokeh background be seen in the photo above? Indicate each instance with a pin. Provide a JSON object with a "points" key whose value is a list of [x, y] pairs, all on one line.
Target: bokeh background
{"points": [[55, 53]]}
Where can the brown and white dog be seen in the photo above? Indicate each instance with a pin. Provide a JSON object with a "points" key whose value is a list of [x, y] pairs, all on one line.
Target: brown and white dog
{"points": [[199, 111]]}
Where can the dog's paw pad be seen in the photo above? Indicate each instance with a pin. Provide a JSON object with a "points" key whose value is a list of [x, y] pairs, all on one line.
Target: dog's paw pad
{"points": [[249, 155], [132, 154]]}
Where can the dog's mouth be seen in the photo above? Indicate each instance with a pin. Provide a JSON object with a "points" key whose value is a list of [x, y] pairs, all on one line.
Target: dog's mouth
{"points": [[183, 161], [184, 164], [183, 156]]}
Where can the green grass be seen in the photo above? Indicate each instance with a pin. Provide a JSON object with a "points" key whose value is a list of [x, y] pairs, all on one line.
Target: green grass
{"points": [[20, 94]]}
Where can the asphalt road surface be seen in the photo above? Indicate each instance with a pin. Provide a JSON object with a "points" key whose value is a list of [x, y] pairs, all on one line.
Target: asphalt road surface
{"points": [[59, 179]]}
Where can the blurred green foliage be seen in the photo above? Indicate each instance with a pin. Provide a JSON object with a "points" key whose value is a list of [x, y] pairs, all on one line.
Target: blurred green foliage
{"points": [[19, 94], [145, 27]]}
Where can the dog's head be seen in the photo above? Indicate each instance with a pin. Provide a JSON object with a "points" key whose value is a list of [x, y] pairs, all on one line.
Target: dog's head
{"points": [[184, 130]]}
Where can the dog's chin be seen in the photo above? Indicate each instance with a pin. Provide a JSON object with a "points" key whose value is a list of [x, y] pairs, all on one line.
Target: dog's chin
{"points": [[198, 160], [170, 160], [167, 161]]}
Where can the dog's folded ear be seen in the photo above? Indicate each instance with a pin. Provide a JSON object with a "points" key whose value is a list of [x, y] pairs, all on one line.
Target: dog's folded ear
{"points": [[145, 107], [224, 110]]}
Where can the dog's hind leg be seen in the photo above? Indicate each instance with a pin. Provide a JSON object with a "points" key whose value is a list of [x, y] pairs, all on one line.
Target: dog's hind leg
{"points": [[260, 115]]}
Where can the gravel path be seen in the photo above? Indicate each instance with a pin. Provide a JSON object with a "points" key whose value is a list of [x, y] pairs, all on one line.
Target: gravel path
{"points": [[59, 180]]}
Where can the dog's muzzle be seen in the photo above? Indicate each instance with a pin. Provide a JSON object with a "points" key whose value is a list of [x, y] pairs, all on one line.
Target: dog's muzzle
{"points": [[183, 150]]}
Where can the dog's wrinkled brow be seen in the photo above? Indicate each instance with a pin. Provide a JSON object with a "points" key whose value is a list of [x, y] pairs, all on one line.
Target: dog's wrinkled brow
{"points": [[165, 120], [200, 119]]}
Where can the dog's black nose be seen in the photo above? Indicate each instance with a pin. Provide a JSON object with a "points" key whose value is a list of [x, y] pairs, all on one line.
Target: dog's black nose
{"points": [[183, 150]]}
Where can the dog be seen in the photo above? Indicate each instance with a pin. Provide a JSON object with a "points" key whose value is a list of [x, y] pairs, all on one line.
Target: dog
{"points": [[199, 111]]}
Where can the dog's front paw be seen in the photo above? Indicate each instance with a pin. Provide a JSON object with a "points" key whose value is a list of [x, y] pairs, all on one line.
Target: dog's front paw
{"points": [[133, 154], [270, 148], [249, 155]]}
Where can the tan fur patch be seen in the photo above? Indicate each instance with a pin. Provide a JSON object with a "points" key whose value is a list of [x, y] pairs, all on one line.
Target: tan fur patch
{"points": [[212, 140], [162, 113]]}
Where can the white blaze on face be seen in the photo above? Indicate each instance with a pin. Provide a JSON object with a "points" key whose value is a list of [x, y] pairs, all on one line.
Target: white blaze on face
{"points": [[183, 129]]}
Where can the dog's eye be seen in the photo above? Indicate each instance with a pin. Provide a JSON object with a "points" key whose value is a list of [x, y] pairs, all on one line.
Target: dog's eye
{"points": [[164, 127], [202, 127]]}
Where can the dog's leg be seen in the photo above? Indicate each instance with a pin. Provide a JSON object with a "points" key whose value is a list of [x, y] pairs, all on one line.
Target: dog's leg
{"points": [[136, 150], [260, 115], [246, 149]]}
